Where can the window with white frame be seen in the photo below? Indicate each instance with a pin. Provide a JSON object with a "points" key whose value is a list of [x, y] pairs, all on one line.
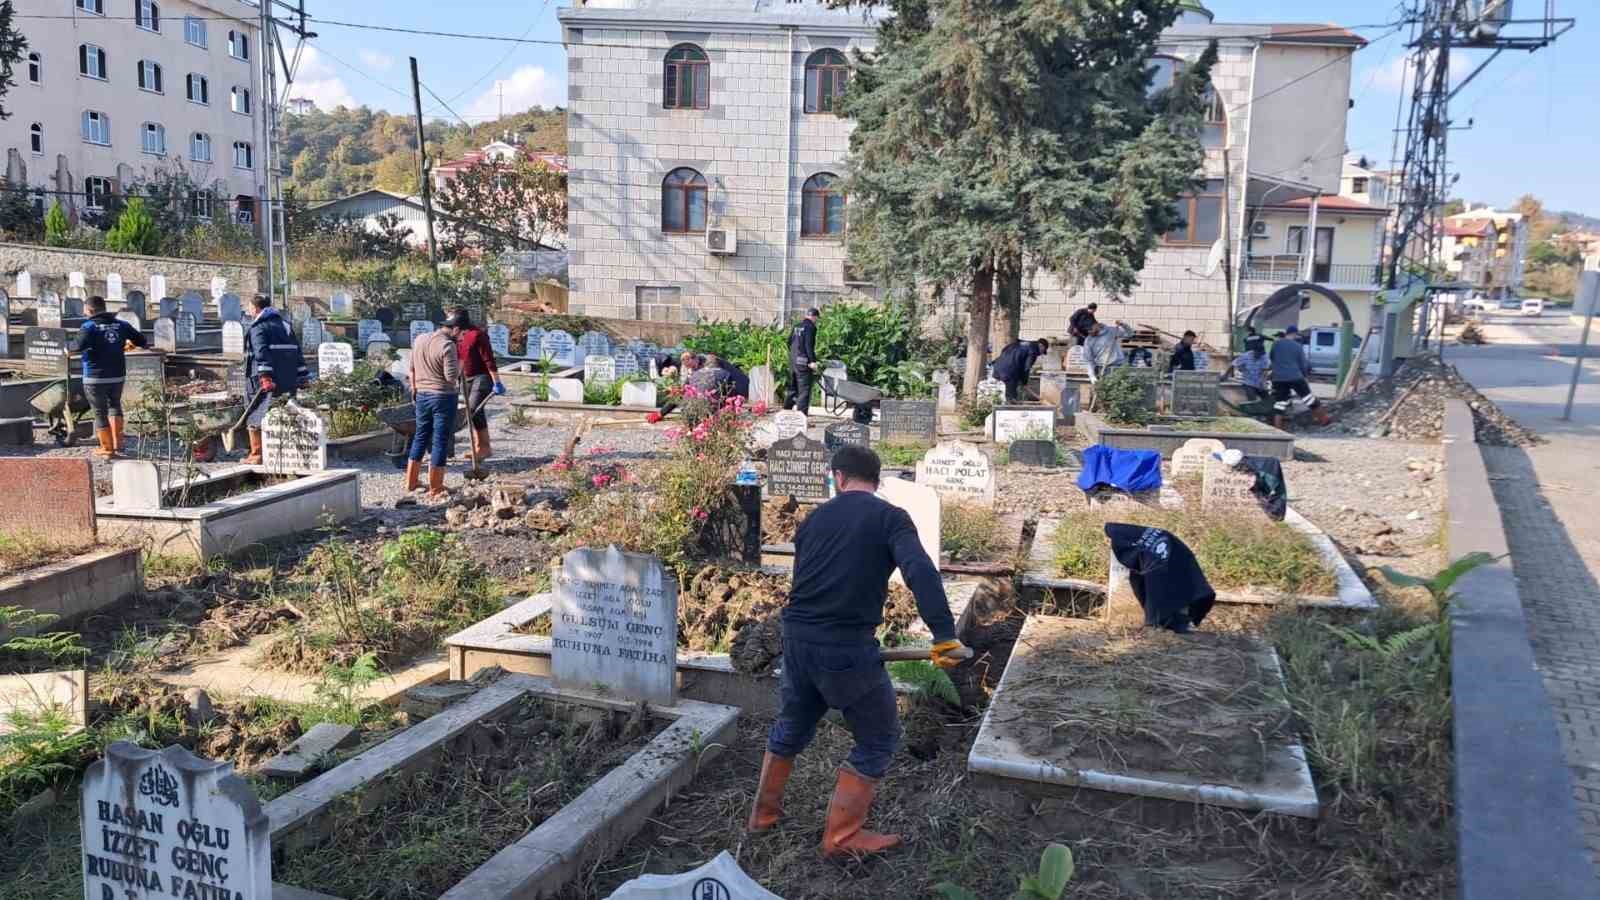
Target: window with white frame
{"points": [[200, 205], [154, 138], [96, 191], [147, 14], [240, 102], [199, 89], [150, 76], [96, 127], [243, 155], [238, 45], [35, 68], [800, 301], [658, 304], [98, 7], [36, 137], [194, 31], [91, 61], [200, 147]]}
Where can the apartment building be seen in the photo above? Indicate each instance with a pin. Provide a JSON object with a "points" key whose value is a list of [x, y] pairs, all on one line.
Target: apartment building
{"points": [[1509, 255], [112, 91], [705, 154], [1467, 248]]}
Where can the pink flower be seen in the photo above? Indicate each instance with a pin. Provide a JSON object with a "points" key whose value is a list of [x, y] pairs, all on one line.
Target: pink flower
{"points": [[760, 408], [701, 514], [601, 480]]}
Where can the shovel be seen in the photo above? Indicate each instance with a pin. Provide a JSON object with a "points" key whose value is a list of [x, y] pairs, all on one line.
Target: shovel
{"points": [[477, 474], [901, 654], [228, 439]]}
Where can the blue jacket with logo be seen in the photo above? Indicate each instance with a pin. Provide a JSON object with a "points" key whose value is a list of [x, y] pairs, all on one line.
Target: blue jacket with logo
{"points": [[101, 341], [270, 348]]}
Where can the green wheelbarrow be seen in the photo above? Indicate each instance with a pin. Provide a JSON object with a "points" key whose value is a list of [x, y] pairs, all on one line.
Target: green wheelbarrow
{"points": [[64, 409]]}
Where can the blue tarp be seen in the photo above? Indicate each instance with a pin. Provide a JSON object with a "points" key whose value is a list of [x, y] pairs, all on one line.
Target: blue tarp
{"points": [[1126, 470]]}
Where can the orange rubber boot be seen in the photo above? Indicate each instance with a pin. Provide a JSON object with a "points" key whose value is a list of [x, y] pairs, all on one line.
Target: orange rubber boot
{"points": [[413, 474], [845, 832], [775, 771], [116, 433], [253, 458], [107, 449], [436, 481]]}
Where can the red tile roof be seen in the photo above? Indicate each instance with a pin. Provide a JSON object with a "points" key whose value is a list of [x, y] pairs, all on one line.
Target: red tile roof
{"points": [[473, 157], [1315, 33], [1334, 203], [1474, 228]]}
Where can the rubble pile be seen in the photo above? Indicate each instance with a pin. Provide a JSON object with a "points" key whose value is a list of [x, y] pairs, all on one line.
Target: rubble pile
{"points": [[780, 519], [1409, 406], [504, 509]]}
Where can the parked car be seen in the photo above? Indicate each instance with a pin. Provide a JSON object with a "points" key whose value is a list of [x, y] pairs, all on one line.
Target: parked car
{"points": [[1510, 306], [1475, 304], [1533, 306], [1322, 346]]}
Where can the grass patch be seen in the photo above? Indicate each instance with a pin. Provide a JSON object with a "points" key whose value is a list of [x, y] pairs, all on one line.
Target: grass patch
{"points": [[968, 532], [901, 455], [26, 550], [1235, 553], [1223, 424]]}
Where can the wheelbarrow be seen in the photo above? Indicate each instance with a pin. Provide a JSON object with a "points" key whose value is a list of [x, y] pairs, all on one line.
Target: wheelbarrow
{"points": [[64, 410], [860, 397], [402, 420]]}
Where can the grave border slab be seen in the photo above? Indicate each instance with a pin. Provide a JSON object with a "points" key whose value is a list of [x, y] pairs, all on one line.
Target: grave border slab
{"points": [[1268, 441], [76, 587]]}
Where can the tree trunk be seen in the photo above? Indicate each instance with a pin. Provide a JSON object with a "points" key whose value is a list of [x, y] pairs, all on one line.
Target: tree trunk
{"points": [[978, 313], [1008, 308]]}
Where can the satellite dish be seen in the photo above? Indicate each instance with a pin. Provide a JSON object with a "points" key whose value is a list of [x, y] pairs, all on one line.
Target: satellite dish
{"points": [[1214, 258]]}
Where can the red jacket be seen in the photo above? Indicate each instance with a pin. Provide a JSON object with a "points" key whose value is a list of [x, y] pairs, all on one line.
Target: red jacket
{"points": [[476, 356]]}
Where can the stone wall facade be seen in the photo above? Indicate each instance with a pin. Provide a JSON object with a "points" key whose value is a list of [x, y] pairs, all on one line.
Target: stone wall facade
{"points": [[49, 268]]}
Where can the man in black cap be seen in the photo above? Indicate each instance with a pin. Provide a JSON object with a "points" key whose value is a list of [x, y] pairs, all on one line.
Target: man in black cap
{"points": [[1015, 364], [1082, 323], [802, 361]]}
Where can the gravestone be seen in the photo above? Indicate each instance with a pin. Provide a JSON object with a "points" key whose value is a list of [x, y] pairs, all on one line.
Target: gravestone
{"points": [[499, 339], [113, 286], [72, 307], [158, 286], [595, 343], [958, 471], [763, 386], [294, 439], [413, 312], [1202, 361], [335, 358], [789, 423], [1147, 377], [238, 385], [941, 376], [846, 434], [311, 336], [380, 351], [1032, 453], [1050, 362], [299, 311], [719, 879], [909, 421], [131, 318], [1077, 361], [63, 692], [1195, 393], [166, 335], [1228, 489], [135, 484], [192, 304], [599, 370], [566, 390], [1189, 461], [1016, 422], [798, 467], [167, 308], [627, 364], [229, 309], [366, 330], [24, 283], [186, 329], [531, 343], [991, 391], [475, 313], [135, 303], [386, 315], [923, 505], [219, 286], [420, 327], [947, 398], [170, 824], [49, 498], [143, 369], [340, 306], [76, 281], [639, 393], [45, 351], [48, 310], [5, 327], [557, 346], [614, 626]]}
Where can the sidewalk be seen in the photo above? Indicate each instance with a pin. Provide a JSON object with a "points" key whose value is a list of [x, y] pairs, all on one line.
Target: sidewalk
{"points": [[1547, 497]]}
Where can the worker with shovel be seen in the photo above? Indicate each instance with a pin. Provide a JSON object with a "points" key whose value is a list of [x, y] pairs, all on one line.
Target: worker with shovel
{"points": [[482, 378], [273, 367], [845, 552], [435, 374]]}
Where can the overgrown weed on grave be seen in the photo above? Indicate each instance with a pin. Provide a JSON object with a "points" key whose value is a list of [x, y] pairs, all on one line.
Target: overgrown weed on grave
{"points": [[350, 403], [974, 412], [901, 455], [339, 691], [969, 532], [166, 436], [21, 550], [1049, 883], [1123, 397]]}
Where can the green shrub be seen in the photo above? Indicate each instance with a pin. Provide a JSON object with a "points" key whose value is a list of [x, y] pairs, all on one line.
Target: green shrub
{"points": [[868, 339], [974, 413], [969, 532], [1124, 398], [135, 231], [56, 229], [351, 402]]}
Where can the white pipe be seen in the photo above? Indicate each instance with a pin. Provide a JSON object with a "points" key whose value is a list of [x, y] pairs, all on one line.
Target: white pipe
{"points": [[788, 178]]}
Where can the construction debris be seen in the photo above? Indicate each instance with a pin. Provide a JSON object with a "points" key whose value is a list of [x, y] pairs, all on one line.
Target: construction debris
{"points": [[1409, 406]]}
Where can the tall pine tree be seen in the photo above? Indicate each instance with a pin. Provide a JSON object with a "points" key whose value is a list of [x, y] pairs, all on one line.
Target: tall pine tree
{"points": [[12, 44], [993, 136]]}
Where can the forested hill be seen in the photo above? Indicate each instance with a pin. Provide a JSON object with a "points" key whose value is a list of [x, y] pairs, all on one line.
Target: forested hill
{"points": [[334, 154]]}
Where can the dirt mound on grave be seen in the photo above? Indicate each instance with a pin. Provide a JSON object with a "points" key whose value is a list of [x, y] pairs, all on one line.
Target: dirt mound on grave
{"points": [[244, 732], [1409, 405], [780, 519]]}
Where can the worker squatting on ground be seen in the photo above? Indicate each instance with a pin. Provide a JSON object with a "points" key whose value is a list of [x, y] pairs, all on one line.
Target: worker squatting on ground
{"points": [[1291, 365], [103, 340], [435, 373], [482, 378], [802, 361], [1015, 363], [845, 552], [274, 367]]}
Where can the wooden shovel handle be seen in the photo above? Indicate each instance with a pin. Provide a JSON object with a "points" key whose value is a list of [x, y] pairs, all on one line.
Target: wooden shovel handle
{"points": [[898, 654]]}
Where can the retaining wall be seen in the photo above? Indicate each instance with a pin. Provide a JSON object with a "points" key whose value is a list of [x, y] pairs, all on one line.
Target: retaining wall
{"points": [[49, 267], [1517, 825]]}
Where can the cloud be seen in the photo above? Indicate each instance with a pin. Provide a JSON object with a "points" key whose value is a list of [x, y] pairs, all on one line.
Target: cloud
{"points": [[527, 86], [377, 59], [318, 80]]}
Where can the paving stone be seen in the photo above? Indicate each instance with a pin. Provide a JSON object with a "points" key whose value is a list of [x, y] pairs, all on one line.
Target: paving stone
{"points": [[297, 760]]}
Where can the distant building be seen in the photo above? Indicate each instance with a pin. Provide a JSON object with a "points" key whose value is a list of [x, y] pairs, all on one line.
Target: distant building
{"points": [[1509, 255], [1467, 247], [508, 148], [300, 106], [369, 206]]}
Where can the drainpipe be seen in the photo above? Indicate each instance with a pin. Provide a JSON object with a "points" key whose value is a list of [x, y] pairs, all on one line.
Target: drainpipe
{"points": [[788, 177], [1311, 240]]}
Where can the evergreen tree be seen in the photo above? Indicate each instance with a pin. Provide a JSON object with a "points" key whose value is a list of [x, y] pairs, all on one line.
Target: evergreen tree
{"points": [[12, 45], [56, 228], [135, 231], [994, 137]]}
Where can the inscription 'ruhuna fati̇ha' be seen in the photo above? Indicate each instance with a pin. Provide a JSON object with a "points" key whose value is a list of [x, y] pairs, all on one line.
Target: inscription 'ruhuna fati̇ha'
{"points": [[615, 625]]}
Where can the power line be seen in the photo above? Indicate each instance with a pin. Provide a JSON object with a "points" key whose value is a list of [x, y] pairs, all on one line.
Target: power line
{"points": [[543, 7]]}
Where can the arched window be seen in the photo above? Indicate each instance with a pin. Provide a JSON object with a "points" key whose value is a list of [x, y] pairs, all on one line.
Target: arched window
{"points": [[36, 138], [821, 206], [150, 76], [683, 202], [1167, 69], [687, 78], [200, 147], [35, 68], [96, 191], [241, 100], [91, 61], [827, 73]]}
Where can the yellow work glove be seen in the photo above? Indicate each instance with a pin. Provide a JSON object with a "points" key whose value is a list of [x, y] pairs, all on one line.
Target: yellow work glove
{"points": [[948, 654]]}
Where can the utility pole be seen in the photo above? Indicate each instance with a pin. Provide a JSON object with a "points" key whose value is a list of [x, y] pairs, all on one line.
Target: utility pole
{"points": [[270, 56], [422, 171]]}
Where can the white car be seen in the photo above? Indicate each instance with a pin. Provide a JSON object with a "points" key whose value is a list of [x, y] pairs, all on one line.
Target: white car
{"points": [[1533, 306]]}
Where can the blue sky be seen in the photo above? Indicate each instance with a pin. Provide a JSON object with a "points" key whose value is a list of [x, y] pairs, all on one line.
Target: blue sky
{"points": [[1536, 128]]}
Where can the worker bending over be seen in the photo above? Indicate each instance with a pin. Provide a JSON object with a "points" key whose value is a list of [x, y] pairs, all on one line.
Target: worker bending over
{"points": [[482, 378], [1015, 364]]}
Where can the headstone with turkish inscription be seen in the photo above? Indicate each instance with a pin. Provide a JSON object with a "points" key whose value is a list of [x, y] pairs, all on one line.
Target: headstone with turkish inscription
{"points": [[846, 434], [1024, 422], [763, 386], [311, 336], [627, 364], [135, 303], [991, 391], [24, 283], [639, 393], [131, 318], [45, 352], [380, 351], [77, 281], [1228, 488], [238, 386], [909, 421], [558, 347], [614, 626], [49, 498], [413, 312], [499, 339], [113, 286], [166, 334], [158, 286], [1077, 360], [798, 467], [167, 308], [531, 342], [142, 369], [294, 439], [48, 310], [366, 330], [170, 824], [219, 286], [335, 358], [340, 305], [1195, 393], [947, 398], [599, 370], [5, 326], [1189, 461], [72, 306], [595, 343], [789, 423], [229, 308], [186, 325], [923, 504], [192, 303], [958, 471], [420, 327]]}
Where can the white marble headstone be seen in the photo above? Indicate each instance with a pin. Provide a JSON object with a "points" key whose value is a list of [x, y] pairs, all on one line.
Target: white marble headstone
{"points": [[789, 423], [76, 280], [233, 338], [1189, 461], [294, 439], [615, 626], [599, 370], [5, 330], [923, 505], [367, 330], [499, 339], [1014, 424], [113, 286], [958, 471], [420, 327], [219, 286], [639, 393], [335, 358], [340, 305], [992, 390], [947, 398], [763, 386], [24, 283], [166, 332], [158, 286], [48, 310], [566, 390], [132, 318]]}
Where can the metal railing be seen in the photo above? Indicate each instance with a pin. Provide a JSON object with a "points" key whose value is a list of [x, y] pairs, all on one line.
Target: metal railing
{"points": [[1289, 268]]}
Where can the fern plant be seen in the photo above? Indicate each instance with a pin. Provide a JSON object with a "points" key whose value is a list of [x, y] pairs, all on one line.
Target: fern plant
{"points": [[1439, 588], [1049, 883], [341, 687], [927, 678]]}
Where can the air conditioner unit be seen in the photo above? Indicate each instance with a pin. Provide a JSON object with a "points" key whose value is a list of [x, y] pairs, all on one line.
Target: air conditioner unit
{"points": [[722, 241], [1258, 229], [854, 277]]}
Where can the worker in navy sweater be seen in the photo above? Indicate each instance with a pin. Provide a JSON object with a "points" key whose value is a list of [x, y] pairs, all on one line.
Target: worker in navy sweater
{"points": [[845, 552], [103, 340], [273, 367], [803, 362], [1014, 365]]}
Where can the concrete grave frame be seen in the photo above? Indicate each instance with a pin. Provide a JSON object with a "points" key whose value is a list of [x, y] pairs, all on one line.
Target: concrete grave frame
{"points": [[1265, 441], [590, 828], [76, 587]]}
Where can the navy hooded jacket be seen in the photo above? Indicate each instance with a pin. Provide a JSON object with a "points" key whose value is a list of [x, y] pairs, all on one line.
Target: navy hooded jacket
{"points": [[1016, 361], [270, 348], [101, 341]]}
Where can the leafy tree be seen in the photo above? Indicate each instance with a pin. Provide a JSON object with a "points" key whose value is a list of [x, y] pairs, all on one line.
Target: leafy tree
{"points": [[995, 137], [397, 173], [12, 45], [135, 231], [495, 205], [18, 217], [56, 228]]}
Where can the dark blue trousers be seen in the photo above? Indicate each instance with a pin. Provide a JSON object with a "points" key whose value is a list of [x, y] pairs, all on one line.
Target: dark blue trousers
{"points": [[848, 677], [436, 426]]}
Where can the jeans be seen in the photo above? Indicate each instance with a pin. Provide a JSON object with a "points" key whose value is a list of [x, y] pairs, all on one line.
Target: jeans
{"points": [[1014, 389], [106, 398], [848, 677], [800, 379], [478, 388], [436, 424]]}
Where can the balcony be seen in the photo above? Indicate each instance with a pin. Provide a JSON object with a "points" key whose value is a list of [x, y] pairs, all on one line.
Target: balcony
{"points": [[1289, 268]]}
